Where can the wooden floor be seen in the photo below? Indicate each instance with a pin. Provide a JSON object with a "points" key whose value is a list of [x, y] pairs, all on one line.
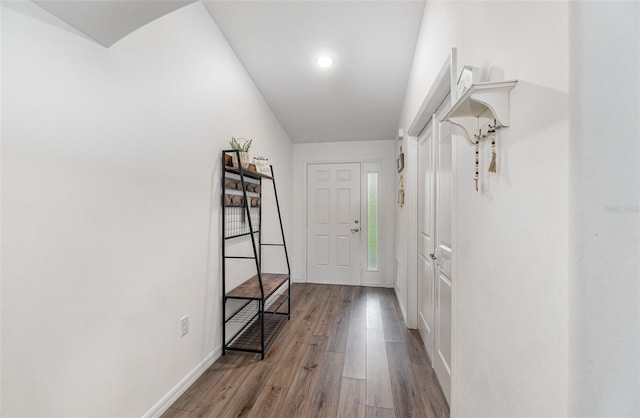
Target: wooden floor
{"points": [[344, 353]]}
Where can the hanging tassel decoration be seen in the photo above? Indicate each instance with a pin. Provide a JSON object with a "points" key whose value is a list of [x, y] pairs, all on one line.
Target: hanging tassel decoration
{"points": [[492, 166], [476, 177]]}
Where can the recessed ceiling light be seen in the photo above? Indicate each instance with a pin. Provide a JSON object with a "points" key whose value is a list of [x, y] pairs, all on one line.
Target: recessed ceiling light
{"points": [[324, 61]]}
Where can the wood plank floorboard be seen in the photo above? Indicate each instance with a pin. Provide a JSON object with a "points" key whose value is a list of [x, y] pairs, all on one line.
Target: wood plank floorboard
{"points": [[329, 312], [405, 396], [355, 360], [359, 303], [339, 331], [429, 390], [374, 315], [301, 295], [176, 413], [298, 398], [326, 394], [352, 398], [279, 346], [198, 390], [414, 346], [375, 412], [391, 321], [344, 353], [216, 400], [378, 377], [246, 395], [315, 309], [269, 402], [286, 369], [316, 299]]}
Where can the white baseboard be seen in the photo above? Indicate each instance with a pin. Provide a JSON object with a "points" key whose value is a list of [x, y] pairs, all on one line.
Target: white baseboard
{"points": [[384, 285], [168, 399], [297, 279], [336, 282], [402, 308], [374, 284]]}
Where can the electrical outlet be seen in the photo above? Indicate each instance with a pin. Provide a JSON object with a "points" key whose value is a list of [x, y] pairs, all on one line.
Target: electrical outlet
{"points": [[184, 325]]}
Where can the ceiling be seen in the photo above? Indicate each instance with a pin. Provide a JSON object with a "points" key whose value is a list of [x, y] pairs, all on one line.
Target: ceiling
{"points": [[108, 21], [358, 98]]}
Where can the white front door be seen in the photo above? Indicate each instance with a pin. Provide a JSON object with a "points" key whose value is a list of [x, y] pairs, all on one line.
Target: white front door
{"points": [[333, 223], [443, 250], [426, 239]]}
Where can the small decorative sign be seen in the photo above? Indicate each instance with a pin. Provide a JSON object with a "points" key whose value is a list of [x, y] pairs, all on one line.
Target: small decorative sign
{"points": [[262, 165], [468, 77]]}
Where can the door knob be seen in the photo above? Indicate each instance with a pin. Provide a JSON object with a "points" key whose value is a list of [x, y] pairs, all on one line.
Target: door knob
{"points": [[433, 256], [355, 229], [357, 220]]}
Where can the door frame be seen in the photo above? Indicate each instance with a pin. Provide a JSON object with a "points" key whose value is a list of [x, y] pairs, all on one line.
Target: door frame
{"points": [[433, 209], [440, 89], [383, 231]]}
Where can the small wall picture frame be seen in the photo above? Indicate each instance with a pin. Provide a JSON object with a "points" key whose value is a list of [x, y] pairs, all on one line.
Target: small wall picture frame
{"points": [[469, 76], [400, 161], [401, 192]]}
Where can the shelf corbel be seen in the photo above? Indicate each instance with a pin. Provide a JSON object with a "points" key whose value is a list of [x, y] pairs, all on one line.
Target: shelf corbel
{"points": [[479, 98]]}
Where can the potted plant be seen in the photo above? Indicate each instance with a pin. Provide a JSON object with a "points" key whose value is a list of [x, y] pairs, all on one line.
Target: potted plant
{"points": [[243, 148]]}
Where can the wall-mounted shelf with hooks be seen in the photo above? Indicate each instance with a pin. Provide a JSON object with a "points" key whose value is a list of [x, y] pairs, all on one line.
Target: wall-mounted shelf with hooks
{"points": [[480, 97]]}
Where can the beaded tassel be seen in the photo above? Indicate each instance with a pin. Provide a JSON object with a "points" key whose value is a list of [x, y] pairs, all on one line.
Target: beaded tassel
{"points": [[476, 177], [492, 166]]}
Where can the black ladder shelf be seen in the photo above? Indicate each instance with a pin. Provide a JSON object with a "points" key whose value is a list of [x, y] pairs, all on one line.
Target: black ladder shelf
{"points": [[254, 311]]}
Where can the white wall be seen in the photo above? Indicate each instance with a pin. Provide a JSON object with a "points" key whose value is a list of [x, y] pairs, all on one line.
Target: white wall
{"points": [[406, 225], [340, 152], [510, 291], [604, 215], [110, 228]]}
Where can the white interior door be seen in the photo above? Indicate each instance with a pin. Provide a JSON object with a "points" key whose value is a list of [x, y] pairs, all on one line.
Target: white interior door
{"points": [[434, 245], [443, 250], [426, 239], [333, 223]]}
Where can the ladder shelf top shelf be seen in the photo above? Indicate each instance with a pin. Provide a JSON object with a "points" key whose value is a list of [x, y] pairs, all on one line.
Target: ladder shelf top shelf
{"points": [[247, 173], [250, 289]]}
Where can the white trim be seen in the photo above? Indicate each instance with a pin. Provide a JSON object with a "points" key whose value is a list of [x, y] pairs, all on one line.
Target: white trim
{"points": [[167, 400], [454, 271], [436, 96], [411, 207], [438, 93], [336, 282], [382, 285], [403, 311]]}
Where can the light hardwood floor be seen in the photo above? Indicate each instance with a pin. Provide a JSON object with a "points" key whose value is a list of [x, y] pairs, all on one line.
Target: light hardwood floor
{"points": [[344, 353]]}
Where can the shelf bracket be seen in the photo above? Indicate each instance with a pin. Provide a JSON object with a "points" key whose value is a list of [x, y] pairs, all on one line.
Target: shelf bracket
{"points": [[469, 124], [497, 102], [490, 97]]}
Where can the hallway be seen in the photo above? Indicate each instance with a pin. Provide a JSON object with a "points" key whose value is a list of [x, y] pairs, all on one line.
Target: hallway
{"points": [[496, 207], [344, 353]]}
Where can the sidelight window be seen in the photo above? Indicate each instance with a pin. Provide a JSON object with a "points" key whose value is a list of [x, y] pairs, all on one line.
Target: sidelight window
{"points": [[372, 221]]}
